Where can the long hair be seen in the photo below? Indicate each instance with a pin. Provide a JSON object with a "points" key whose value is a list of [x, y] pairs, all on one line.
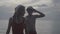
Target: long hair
{"points": [[18, 11]]}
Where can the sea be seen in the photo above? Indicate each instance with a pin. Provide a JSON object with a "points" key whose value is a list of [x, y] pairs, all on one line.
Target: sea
{"points": [[42, 26]]}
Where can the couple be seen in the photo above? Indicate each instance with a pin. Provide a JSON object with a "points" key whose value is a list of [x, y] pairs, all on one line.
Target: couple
{"points": [[19, 23]]}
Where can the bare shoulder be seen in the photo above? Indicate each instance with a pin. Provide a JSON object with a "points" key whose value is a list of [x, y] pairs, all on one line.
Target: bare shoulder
{"points": [[10, 19]]}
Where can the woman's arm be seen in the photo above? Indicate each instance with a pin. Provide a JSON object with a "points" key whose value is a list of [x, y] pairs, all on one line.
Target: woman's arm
{"points": [[9, 26]]}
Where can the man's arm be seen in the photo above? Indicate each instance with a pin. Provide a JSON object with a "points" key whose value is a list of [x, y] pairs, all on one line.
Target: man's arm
{"points": [[40, 14], [9, 26]]}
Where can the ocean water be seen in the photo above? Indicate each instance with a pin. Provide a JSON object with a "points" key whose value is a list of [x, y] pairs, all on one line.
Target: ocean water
{"points": [[42, 26]]}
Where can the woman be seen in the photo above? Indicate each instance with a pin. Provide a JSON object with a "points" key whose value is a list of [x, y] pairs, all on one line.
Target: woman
{"points": [[17, 21], [30, 20]]}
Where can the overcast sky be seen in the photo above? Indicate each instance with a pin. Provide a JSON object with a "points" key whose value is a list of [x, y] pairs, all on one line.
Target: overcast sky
{"points": [[7, 6], [50, 7]]}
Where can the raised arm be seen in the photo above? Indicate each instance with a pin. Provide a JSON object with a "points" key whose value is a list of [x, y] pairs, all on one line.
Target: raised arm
{"points": [[9, 26], [40, 14]]}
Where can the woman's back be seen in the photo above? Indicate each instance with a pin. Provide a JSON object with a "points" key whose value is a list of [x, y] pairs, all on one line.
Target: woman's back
{"points": [[17, 28]]}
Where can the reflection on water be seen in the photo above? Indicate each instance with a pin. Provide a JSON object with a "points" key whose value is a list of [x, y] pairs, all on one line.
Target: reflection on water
{"points": [[3, 26]]}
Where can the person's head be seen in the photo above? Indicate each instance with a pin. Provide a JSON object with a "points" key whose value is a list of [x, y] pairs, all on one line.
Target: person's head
{"points": [[20, 10], [30, 10]]}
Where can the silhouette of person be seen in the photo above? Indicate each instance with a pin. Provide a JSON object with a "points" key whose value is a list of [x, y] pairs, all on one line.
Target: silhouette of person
{"points": [[30, 20], [17, 21]]}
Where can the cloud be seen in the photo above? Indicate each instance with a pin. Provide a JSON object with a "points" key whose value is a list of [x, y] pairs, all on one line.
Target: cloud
{"points": [[34, 3], [12, 2], [7, 6], [26, 2], [50, 12], [56, 1]]}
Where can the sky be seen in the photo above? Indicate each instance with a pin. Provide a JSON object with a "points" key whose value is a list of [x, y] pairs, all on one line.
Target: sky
{"points": [[51, 9], [7, 6]]}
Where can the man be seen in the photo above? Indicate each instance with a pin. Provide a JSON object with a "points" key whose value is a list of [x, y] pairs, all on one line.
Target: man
{"points": [[30, 20]]}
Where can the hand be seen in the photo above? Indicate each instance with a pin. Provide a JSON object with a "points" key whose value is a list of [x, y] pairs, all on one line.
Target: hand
{"points": [[35, 10]]}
